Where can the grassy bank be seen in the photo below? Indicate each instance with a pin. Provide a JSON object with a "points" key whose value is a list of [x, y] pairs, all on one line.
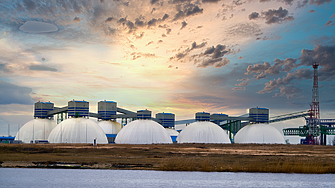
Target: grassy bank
{"points": [[173, 157]]}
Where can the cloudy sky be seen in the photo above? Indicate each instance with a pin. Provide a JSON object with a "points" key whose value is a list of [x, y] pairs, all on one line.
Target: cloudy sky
{"points": [[179, 56]]}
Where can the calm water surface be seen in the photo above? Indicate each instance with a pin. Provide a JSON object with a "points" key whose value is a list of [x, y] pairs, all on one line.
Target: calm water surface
{"points": [[22, 177]]}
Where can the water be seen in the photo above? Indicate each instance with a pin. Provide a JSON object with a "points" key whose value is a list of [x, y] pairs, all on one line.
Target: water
{"points": [[23, 177]]}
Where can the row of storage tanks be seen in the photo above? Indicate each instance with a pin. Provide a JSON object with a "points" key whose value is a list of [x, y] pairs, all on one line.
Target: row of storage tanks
{"points": [[78, 128]]}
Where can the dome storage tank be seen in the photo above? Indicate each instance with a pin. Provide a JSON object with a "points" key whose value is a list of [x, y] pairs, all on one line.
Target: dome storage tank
{"points": [[78, 128], [143, 131], [35, 130], [259, 134], [39, 128], [203, 131]]}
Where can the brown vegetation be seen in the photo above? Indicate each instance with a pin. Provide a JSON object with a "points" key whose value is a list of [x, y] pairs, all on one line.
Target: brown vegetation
{"points": [[173, 157]]}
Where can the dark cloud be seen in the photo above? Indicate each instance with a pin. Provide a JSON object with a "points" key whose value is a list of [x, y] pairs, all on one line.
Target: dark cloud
{"points": [[168, 31], [183, 24], [329, 23], [253, 15], [258, 68], [42, 68], [139, 23], [152, 22], [209, 50], [276, 16], [29, 4], [325, 56], [109, 19], [195, 45], [264, 1], [276, 83], [76, 19], [149, 43], [153, 1], [311, 11], [166, 16], [188, 10], [217, 63], [153, 9], [278, 66], [302, 4], [122, 20], [210, 1], [320, 2], [131, 26], [14, 94], [217, 51]]}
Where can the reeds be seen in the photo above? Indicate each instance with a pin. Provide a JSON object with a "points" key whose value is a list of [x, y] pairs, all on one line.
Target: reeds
{"points": [[205, 165]]}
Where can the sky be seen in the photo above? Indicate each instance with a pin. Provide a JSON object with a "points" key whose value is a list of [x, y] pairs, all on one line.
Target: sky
{"points": [[178, 56]]}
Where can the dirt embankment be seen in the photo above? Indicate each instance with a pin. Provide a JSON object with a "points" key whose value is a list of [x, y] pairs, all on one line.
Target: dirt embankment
{"points": [[175, 157]]}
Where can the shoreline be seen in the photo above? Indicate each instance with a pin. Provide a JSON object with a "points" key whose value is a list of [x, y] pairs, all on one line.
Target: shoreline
{"points": [[173, 157]]}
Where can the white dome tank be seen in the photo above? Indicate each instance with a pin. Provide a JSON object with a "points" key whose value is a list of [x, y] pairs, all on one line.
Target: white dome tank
{"points": [[259, 134], [77, 130], [143, 132], [36, 129], [203, 132], [110, 127]]}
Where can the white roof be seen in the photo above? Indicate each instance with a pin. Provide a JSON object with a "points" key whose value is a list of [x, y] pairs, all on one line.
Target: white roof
{"points": [[172, 132], [77, 130], [36, 129], [110, 127], [259, 134], [203, 132], [143, 132]]}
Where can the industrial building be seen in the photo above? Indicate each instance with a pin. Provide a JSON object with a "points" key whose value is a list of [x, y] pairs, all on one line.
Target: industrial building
{"points": [[75, 126]]}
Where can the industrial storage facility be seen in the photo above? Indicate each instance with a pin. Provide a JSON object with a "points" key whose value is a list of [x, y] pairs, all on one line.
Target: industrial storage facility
{"points": [[78, 128], [38, 129], [143, 131], [203, 131], [259, 134], [35, 130], [75, 125]]}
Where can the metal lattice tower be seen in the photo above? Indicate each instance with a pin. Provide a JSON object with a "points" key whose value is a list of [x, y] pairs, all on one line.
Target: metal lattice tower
{"points": [[315, 110]]}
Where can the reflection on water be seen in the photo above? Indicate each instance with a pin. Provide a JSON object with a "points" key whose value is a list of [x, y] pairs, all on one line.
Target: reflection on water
{"points": [[20, 177]]}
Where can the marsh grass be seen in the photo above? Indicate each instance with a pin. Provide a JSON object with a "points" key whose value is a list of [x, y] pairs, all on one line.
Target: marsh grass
{"points": [[205, 165], [176, 157]]}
